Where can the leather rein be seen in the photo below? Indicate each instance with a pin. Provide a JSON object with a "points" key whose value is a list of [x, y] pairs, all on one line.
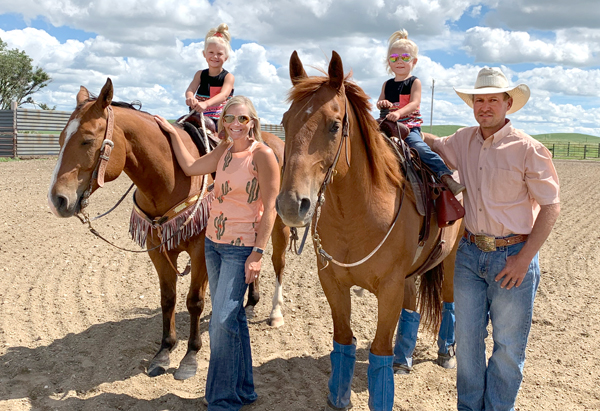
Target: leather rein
{"points": [[331, 172], [98, 175]]}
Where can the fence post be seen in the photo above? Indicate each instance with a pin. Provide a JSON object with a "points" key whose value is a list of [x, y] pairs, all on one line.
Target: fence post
{"points": [[13, 107], [553, 152], [584, 150], [569, 149], [598, 150]]}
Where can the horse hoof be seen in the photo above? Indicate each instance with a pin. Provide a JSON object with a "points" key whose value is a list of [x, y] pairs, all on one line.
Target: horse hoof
{"points": [[276, 322], [156, 369], [402, 369], [446, 361], [187, 367]]}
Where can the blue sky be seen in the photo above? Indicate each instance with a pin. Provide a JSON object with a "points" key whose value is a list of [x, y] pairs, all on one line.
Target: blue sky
{"points": [[152, 49]]}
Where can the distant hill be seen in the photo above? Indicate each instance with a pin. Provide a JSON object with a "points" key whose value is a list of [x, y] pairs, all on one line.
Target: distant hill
{"points": [[441, 131]]}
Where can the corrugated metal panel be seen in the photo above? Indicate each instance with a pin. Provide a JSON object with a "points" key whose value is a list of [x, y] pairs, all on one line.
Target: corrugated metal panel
{"points": [[41, 120], [274, 129], [37, 145], [6, 145], [6, 121]]}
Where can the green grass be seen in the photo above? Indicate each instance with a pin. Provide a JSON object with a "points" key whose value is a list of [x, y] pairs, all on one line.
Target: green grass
{"points": [[7, 159], [441, 131], [567, 137]]}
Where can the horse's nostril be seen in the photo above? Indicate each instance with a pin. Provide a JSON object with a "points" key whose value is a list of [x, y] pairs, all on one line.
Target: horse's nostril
{"points": [[304, 206], [61, 202]]}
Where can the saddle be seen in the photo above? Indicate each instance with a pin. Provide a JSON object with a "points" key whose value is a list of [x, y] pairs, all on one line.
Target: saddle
{"points": [[431, 194]]}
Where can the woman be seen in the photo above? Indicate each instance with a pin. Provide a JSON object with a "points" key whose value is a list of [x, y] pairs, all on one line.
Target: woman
{"points": [[240, 222]]}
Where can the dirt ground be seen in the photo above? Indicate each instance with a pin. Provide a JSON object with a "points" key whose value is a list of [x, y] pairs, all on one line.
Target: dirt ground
{"points": [[80, 321]]}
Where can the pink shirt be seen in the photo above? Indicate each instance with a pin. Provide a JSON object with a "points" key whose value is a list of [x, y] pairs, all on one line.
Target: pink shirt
{"points": [[237, 208], [508, 176]]}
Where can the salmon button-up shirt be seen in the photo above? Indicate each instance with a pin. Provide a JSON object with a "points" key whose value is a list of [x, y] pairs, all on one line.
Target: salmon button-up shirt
{"points": [[508, 176]]}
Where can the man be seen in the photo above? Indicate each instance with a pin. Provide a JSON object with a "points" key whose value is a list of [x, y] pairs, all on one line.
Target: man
{"points": [[511, 203]]}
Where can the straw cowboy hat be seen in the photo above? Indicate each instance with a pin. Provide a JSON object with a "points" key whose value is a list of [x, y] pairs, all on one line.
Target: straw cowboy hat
{"points": [[491, 81]]}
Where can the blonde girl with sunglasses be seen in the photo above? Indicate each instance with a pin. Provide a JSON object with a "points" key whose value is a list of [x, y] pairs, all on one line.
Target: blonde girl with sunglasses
{"points": [[240, 222], [400, 101]]}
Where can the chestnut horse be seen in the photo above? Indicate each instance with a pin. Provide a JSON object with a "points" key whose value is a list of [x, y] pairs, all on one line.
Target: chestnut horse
{"points": [[342, 175], [144, 153]]}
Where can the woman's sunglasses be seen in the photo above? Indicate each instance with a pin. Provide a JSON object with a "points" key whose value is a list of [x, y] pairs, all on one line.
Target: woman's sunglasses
{"points": [[407, 58], [228, 118]]}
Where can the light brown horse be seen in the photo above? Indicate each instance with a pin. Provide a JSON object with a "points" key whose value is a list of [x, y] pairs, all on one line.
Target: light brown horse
{"points": [[342, 175], [144, 153]]}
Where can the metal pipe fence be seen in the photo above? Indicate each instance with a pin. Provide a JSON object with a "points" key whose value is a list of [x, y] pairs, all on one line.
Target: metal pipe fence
{"points": [[577, 151], [33, 133]]}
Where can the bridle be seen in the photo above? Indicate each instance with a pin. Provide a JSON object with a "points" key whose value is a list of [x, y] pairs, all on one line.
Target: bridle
{"points": [[98, 176], [331, 171]]}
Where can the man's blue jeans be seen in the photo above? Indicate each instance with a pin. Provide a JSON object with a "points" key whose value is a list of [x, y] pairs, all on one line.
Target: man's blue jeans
{"points": [[478, 299], [427, 155], [229, 383]]}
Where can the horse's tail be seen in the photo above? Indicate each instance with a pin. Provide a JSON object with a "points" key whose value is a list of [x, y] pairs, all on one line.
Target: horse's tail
{"points": [[430, 300]]}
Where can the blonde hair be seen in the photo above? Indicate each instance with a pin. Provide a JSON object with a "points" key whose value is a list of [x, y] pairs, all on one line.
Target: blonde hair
{"points": [[399, 39], [245, 101], [219, 35]]}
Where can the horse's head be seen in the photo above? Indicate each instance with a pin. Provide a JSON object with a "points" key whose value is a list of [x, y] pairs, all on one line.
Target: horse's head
{"points": [[80, 145], [314, 125]]}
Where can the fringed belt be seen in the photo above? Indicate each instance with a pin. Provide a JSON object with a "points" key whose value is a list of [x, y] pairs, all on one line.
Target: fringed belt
{"points": [[172, 225]]}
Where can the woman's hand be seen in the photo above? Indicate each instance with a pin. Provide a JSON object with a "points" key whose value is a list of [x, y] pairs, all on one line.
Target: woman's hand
{"points": [[164, 124], [201, 106], [252, 267]]}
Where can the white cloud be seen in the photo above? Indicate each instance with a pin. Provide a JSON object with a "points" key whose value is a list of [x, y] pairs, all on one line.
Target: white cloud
{"points": [[496, 45], [152, 48]]}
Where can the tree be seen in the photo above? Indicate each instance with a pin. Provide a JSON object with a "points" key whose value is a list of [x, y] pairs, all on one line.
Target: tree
{"points": [[18, 78]]}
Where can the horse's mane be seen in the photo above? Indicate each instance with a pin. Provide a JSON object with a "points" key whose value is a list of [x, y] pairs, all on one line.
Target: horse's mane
{"points": [[134, 105], [383, 162]]}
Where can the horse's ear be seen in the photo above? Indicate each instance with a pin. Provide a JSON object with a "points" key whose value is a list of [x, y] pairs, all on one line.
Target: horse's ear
{"points": [[83, 95], [296, 68], [336, 71], [106, 94]]}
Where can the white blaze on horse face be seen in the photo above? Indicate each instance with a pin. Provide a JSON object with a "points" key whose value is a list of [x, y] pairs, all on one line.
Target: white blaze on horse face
{"points": [[71, 129]]}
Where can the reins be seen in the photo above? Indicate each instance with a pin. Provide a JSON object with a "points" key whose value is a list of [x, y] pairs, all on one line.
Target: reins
{"points": [[326, 257], [98, 175]]}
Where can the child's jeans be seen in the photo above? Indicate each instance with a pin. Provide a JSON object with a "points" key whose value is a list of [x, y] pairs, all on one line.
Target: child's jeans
{"points": [[428, 156]]}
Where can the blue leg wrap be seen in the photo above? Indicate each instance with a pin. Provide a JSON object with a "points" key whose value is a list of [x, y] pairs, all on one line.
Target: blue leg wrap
{"points": [[406, 337], [446, 335], [342, 358], [381, 382]]}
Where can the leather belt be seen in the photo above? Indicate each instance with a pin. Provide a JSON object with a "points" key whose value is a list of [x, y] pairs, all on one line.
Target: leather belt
{"points": [[489, 243]]}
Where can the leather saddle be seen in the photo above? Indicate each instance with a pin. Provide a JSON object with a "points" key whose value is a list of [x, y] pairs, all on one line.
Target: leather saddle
{"points": [[431, 194]]}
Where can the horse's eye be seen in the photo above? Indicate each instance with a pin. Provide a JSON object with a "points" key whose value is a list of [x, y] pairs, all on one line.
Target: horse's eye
{"points": [[335, 127], [86, 142]]}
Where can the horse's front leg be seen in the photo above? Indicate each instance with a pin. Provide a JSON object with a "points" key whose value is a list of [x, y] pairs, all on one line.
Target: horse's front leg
{"points": [[380, 372], [168, 296], [280, 238], [343, 356], [195, 305]]}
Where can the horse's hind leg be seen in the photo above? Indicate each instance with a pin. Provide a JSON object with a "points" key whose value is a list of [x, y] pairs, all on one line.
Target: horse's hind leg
{"points": [[446, 348], [408, 327], [168, 287], [195, 305], [280, 239]]}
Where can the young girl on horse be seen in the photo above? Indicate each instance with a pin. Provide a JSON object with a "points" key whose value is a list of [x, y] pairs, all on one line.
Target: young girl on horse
{"points": [[211, 88], [401, 98]]}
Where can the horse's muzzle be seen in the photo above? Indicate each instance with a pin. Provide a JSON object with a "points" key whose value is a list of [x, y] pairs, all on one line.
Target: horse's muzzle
{"points": [[294, 210]]}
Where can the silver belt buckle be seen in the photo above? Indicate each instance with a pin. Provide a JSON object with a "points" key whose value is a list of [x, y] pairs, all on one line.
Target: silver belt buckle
{"points": [[485, 243]]}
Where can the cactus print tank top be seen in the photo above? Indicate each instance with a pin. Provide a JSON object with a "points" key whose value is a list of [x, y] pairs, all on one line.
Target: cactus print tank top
{"points": [[237, 208]]}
